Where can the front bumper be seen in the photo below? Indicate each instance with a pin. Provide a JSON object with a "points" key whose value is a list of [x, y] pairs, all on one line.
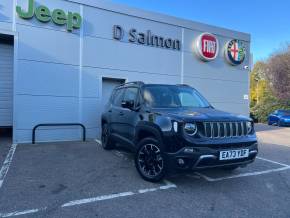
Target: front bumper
{"points": [[285, 122], [207, 157]]}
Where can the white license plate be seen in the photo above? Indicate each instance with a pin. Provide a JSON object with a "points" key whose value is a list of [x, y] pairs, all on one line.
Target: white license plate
{"points": [[234, 154]]}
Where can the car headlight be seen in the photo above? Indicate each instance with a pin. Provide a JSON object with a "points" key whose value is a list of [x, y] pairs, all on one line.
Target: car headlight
{"points": [[249, 127], [190, 129]]}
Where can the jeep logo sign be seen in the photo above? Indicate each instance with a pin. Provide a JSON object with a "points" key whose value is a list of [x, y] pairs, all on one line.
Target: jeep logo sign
{"points": [[58, 16], [207, 46]]}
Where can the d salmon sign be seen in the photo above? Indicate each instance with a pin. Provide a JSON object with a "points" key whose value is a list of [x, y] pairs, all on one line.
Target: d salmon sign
{"points": [[235, 52], [207, 46]]}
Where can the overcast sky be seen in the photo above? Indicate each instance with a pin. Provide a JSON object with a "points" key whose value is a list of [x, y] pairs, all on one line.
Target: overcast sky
{"points": [[267, 21]]}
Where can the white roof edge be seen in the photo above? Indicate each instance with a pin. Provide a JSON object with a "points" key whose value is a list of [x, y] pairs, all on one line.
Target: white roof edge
{"points": [[163, 18]]}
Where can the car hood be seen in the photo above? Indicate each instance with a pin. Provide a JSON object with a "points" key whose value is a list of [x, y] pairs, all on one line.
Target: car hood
{"points": [[202, 114]]}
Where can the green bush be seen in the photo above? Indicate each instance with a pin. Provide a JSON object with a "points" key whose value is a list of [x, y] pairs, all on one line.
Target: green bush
{"points": [[261, 111]]}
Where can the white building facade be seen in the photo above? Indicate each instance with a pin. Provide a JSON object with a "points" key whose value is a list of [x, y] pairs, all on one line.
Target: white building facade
{"points": [[59, 61]]}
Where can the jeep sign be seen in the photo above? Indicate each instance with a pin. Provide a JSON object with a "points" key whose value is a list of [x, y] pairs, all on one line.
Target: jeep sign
{"points": [[58, 16]]}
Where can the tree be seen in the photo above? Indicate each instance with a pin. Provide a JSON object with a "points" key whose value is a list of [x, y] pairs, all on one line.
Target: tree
{"points": [[270, 85], [258, 82], [278, 74]]}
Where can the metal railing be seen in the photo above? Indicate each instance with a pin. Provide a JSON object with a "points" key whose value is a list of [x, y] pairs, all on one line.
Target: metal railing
{"points": [[58, 124]]}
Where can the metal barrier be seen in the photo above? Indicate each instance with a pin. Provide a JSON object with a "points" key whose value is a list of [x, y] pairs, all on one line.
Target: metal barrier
{"points": [[58, 124]]}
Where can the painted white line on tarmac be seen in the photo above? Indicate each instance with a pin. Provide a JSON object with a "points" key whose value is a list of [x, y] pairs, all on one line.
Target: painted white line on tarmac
{"points": [[168, 185], [95, 199], [116, 152], [18, 213], [164, 187], [6, 164], [274, 162], [98, 141], [210, 179]]}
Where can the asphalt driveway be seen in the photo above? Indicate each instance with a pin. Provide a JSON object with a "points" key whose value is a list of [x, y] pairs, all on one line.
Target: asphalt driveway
{"points": [[76, 179]]}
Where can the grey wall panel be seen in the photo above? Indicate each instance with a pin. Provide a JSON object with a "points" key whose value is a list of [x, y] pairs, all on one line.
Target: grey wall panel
{"points": [[91, 104], [94, 133], [48, 45], [6, 11], [189, 46], [161, 18], [135, 76], [6, 26], [56, 134], [216, 69], [235, 108], [44, 88], [47, 135], [96, 25], [220, 91], [91, 112], [90, 82], [38, 78], [32, 110], [126, 56], [51, 4]]}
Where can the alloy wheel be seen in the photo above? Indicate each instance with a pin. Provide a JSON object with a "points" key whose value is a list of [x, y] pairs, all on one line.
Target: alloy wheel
{"points": [[150, 160]]}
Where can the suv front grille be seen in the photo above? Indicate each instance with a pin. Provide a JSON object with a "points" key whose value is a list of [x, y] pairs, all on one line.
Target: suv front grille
{"points": [[223, 129]]}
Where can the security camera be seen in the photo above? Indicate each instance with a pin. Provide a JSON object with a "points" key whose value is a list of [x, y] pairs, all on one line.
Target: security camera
{"points": [[246, 67]]}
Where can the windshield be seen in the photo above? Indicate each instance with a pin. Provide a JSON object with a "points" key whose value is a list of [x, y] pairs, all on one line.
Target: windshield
{"points": [[284, 112], [170, 96]]}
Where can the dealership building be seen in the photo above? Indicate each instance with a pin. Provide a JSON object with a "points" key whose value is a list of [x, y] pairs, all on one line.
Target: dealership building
{"points": [[60, 60]]}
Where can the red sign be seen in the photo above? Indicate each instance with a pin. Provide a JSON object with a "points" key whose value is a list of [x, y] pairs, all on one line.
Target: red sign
{"points": [[207, 46]]}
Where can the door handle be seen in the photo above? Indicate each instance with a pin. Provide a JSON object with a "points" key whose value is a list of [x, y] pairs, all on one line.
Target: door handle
{"points": [[121, 113], [110, 111]]}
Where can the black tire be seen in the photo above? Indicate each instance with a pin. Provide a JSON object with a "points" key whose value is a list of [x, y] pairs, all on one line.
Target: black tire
{"points": [[269, 123], [230, 168], [150, 160], [279, 123], [107, 142]]}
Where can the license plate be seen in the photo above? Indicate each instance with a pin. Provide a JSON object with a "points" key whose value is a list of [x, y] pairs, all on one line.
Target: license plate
{"points": [[234, 154]]}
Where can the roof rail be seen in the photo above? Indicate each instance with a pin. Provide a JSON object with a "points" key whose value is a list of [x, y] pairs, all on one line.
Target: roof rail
{"points": [[182, 85], [132, 83]]}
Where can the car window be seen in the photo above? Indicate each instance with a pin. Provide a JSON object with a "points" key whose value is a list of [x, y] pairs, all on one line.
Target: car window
{"points": [[131, 94], [284, 112], [189, 100], [118, 97], [112, 96], [169, 96]]}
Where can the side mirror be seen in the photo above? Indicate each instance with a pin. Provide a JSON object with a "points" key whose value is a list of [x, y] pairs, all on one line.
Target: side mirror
{"points": [[128, 104]]}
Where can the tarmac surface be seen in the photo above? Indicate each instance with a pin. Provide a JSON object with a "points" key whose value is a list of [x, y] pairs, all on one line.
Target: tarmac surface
{"points": [[76, 179]]}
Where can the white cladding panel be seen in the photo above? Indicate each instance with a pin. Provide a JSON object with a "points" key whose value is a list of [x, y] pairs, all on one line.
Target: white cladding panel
{"points": [[59, 74], [6, 14], [6, 85]]}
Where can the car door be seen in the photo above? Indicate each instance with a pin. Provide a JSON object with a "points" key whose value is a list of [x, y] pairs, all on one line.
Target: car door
{"points": [[274, 117], [129, 117], [116, 111]]}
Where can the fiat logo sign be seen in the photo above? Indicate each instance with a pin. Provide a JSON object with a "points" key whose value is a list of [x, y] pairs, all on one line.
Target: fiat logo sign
{"points": [[207, 46]]}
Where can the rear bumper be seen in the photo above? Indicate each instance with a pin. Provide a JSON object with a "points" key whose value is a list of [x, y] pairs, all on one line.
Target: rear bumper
{"points": [[207, 157]]}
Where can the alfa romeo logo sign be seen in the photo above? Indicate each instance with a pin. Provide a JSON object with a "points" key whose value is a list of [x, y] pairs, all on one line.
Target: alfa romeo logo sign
{"points": [[235, 52], [207, 46]]}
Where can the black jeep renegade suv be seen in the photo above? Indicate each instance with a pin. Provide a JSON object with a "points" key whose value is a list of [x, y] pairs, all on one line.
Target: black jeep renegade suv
{"points": [[174, 127]]}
